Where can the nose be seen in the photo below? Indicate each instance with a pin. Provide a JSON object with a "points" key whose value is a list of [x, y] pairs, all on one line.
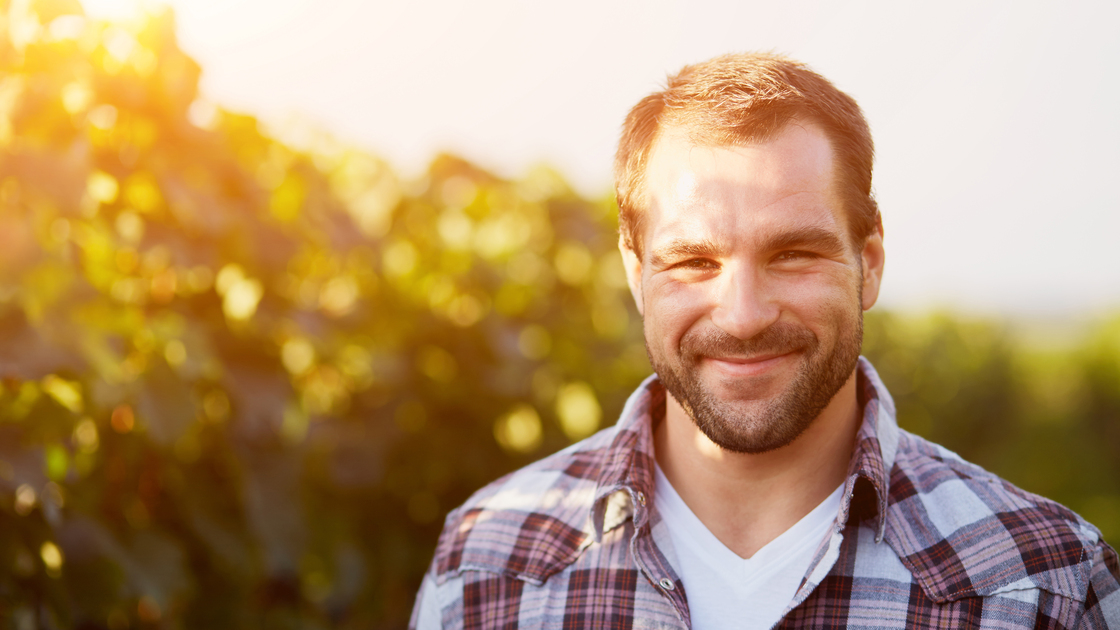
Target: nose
{"points": [[744, 305]]}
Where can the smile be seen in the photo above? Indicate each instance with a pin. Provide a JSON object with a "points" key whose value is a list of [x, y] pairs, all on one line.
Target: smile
{"points": [[750, 366]]}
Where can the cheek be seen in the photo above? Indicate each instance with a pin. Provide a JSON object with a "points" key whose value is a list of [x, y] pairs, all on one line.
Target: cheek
{"points": [[823, 297], [670, 310]]}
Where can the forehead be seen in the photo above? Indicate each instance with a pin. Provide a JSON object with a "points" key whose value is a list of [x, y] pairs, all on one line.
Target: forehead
{"points": [[741, 190]]}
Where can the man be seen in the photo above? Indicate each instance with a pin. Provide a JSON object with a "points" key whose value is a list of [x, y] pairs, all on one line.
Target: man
{"points": [[759, 478]]}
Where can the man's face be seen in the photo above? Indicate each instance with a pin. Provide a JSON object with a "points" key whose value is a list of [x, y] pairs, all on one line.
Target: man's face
{"points": [[751, 292]]}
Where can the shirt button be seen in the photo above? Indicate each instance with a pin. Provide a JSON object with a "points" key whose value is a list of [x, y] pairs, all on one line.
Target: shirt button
{"points": [[667, 584], [642, 498]]}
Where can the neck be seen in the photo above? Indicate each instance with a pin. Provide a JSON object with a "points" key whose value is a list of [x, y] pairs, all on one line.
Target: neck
{"points": [[748, 499]]}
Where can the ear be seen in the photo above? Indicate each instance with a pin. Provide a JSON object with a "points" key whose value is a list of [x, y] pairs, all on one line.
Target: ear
{"points": [[873, 260], [633, 266]]}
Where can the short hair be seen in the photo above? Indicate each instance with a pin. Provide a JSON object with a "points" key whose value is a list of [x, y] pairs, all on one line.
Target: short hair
{"points": [[741, 98]]}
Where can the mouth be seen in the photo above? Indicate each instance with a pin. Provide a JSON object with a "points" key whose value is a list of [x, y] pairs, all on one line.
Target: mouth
{"points": [[753, 365]]}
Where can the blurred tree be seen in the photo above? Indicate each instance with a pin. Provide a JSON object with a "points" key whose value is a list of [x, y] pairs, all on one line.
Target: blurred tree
{"points": [[241, 382]]}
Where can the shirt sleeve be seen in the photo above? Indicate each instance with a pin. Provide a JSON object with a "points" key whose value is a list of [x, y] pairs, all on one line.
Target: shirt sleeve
{"points": [[426, 613], [1102, 603]]}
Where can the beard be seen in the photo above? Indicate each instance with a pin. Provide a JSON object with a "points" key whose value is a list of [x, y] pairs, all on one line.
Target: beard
{"points": [[769, 424]]}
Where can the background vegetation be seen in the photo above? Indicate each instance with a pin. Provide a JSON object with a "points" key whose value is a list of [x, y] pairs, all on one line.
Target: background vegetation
{"points": [[242, 382]]}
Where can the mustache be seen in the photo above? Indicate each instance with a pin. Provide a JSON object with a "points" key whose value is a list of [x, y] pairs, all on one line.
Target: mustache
{"points": [[778, 338]]}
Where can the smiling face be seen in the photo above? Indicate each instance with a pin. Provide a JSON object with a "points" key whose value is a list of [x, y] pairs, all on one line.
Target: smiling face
{"points": [[750, 288]]}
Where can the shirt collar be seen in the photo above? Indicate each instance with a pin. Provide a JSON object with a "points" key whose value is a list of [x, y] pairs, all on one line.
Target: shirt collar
{"points": [[627, 479]]}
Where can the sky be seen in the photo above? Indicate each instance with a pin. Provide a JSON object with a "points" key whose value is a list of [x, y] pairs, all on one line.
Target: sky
{"points": [[997, 124]]}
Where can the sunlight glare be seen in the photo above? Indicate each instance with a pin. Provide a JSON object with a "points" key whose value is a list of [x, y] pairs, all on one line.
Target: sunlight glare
{"points": [[113, 9]]}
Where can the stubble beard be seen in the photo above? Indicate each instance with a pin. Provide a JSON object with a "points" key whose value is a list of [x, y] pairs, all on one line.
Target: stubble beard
{"points": [[765, 425]]}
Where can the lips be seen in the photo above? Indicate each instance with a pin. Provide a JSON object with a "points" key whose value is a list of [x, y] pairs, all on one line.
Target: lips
{"points": [[755, 365], [758, 358], [777, 340]]}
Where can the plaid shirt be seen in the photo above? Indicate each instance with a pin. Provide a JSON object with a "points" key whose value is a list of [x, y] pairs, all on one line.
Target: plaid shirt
{"points": [[923, 539]]}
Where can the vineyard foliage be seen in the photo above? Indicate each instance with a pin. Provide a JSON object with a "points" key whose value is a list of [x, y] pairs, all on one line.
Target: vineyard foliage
{"points": [[243, 379]]}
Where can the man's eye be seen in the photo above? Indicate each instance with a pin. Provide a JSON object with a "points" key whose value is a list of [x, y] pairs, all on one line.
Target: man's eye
{"points": [[696, 263], [795, 255]]}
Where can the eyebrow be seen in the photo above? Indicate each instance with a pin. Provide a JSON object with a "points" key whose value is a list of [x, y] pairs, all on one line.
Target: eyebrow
{"points": [[681, 248], [809, 236], [812, 237]]}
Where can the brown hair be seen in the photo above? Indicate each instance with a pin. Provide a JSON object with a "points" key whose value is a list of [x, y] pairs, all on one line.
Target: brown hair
{"points": [[735, 99]]}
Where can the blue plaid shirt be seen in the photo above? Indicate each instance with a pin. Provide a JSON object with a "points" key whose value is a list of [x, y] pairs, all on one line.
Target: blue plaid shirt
{"points": [[923, 539]]}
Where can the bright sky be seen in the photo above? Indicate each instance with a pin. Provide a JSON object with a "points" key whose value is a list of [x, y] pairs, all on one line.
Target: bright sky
{"points": [[997, 124]]}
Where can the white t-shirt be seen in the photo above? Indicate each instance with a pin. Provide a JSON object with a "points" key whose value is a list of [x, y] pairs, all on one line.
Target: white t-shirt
{"points": [[726, 591]]}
